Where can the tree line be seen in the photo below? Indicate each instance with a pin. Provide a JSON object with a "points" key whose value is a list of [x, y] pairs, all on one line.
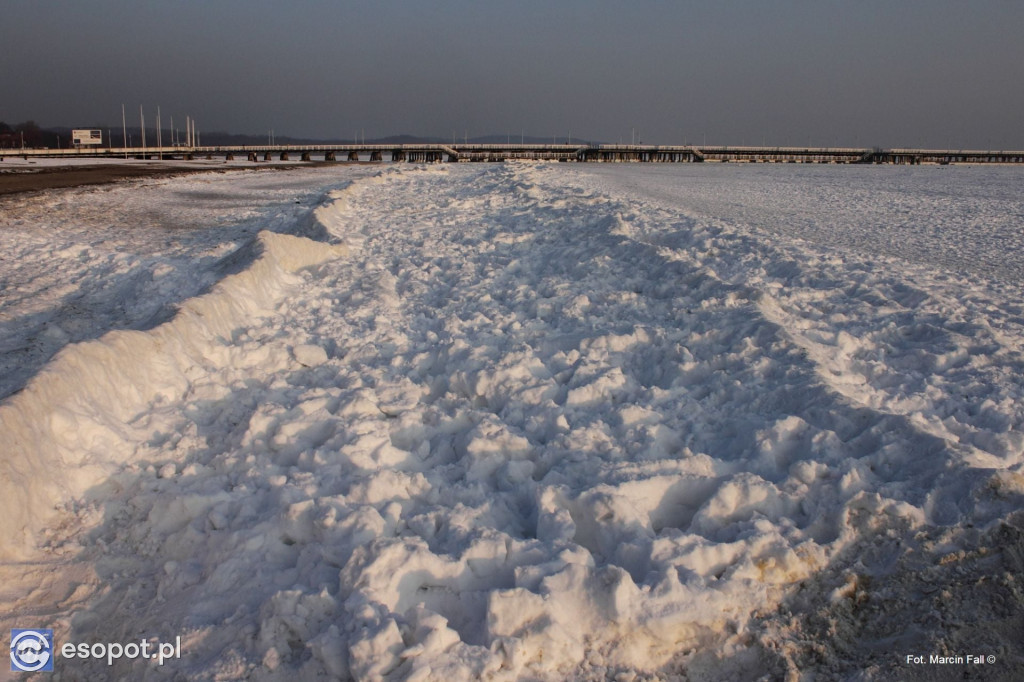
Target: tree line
{"points": [[27, 134]]}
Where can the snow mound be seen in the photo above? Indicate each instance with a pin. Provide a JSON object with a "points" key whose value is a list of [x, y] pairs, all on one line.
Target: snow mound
{"points": [[76, 422]]}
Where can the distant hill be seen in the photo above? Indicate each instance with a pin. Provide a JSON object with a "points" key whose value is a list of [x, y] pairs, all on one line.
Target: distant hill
{"points": [[517, 139]]}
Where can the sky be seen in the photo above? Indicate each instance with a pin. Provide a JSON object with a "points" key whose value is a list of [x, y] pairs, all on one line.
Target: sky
{"points": [[864, 73]]}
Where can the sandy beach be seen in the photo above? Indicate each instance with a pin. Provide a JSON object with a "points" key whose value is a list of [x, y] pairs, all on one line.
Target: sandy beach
{"points": [[15, 179]]}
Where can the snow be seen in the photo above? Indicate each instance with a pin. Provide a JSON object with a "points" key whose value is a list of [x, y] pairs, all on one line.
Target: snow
{"points": [[516, 421]]}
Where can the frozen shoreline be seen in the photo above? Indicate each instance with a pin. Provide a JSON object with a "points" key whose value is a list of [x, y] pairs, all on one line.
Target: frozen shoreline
{"points": [[17, 176], [538, 421]]}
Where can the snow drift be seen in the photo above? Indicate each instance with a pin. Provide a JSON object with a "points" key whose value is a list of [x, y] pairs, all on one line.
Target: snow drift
{"points": [[72, 426], [550, 422]]}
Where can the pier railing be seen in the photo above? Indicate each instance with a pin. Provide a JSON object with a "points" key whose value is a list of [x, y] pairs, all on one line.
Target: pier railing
{"points": [[605, 153]]}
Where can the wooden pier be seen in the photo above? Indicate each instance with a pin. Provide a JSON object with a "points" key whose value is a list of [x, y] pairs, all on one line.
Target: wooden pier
{"points": [[457, 153]]}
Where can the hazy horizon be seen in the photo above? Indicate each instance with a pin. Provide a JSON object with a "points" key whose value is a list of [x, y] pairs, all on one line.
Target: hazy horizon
{"points": [[942, 74]]}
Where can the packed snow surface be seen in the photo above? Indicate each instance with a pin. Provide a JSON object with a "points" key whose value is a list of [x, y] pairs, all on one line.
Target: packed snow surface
{"points": [[516, 421]]}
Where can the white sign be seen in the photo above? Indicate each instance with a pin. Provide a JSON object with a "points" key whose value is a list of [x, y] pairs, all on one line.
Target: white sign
{"points": [[86, 137]]}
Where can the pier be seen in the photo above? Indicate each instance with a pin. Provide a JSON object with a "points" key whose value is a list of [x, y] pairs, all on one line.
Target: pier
{"points": [[605, 153]]}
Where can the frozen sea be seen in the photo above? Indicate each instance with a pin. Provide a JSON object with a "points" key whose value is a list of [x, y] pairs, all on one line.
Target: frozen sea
{"points": [[519, 421]]}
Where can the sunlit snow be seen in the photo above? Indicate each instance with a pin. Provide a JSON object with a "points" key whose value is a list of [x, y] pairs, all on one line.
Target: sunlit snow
{"points": [[507, 421]]}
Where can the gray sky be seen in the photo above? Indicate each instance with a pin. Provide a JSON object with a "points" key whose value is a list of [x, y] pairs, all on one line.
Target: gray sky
{"points": [[933, 73]]}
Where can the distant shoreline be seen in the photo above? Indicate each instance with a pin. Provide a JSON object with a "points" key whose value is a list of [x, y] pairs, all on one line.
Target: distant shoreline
{"points": [[57, 177]]}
